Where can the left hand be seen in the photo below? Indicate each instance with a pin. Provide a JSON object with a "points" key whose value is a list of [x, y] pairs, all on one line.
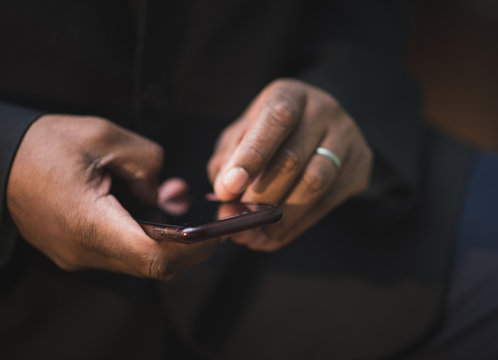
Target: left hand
{"points": [[268, 155]]}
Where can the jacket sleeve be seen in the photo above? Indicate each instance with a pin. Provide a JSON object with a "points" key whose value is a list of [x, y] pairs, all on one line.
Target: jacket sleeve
{"points": [[358, 60], [14, 122]]}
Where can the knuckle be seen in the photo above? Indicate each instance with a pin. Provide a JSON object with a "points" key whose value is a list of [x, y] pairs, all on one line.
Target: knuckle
{"points": [[254, 152], [160, 267], [282, 112], [287, 160], [99, 129], [316, 180], [332, 102]]}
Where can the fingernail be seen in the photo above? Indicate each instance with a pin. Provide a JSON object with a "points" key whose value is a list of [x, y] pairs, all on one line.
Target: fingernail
{"points": [[235, 180], [211, 197]]}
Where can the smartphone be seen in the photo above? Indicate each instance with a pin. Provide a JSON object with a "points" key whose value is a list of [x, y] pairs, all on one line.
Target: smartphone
{"points": [[194, 219]]}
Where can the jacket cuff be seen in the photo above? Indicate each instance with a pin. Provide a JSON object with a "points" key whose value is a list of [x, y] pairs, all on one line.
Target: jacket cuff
{"points": [[14, 122]]}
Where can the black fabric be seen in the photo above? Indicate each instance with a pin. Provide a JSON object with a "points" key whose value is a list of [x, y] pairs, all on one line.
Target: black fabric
{"points": [[352, 287], [51, 314], [179, 72], [365, 52], [14, 121]]}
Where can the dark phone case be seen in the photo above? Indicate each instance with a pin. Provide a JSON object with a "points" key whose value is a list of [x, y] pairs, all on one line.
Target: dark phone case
{"points": [[224, 226]]}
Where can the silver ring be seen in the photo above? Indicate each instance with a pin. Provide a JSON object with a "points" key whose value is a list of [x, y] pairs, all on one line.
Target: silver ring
{"points": [[329, 155]]}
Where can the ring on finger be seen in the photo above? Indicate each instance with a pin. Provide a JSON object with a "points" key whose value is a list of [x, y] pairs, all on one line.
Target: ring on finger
{"points": [[329, 155]]}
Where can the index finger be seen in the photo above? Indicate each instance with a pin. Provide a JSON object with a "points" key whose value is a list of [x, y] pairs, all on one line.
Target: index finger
{"points": [[276, 116]]}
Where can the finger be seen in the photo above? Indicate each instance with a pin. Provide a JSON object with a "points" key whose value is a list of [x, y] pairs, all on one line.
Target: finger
{"points": [[172, 188], [172, 196], [295, 220], [175, 207], [352, 180], [261, 241], [126, 247], [135, 159], [272, 238], [314, 183], [280, 112], [180, 257], [211, 197], [318, 176], [288, 163], [245, 237], [225, 146], [323, 207]]}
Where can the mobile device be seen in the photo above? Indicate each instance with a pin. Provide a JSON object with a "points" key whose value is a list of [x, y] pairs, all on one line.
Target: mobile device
{"points": [[193, 219]]}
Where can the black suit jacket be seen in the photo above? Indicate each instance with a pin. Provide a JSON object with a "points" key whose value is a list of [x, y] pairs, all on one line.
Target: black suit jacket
{"points": [[178, 73]]}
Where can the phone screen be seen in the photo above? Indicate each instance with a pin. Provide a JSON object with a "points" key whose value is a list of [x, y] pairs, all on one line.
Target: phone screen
{"points": [[197, 218]]}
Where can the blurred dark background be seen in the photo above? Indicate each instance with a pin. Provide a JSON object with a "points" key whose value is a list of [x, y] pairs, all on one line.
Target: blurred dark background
{"points": [[454, 55]]}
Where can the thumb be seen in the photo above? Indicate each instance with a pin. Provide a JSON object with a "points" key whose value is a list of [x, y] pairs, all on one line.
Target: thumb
{"points": [[137, 160]]}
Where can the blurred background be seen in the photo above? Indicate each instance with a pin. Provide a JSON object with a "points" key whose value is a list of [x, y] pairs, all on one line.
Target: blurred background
{"points": [[454, 55]]}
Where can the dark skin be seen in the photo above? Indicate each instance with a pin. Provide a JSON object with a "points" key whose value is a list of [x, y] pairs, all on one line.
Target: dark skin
{"points": [[58, 197], [272, 149], [58, 193]]}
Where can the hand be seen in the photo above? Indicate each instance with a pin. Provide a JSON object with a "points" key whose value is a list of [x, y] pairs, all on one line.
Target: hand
{"points": [[268, 155], [58, 197]]}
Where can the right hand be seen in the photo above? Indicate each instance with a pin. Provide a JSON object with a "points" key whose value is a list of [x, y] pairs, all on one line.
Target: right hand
{"points": [[58, 197]]}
